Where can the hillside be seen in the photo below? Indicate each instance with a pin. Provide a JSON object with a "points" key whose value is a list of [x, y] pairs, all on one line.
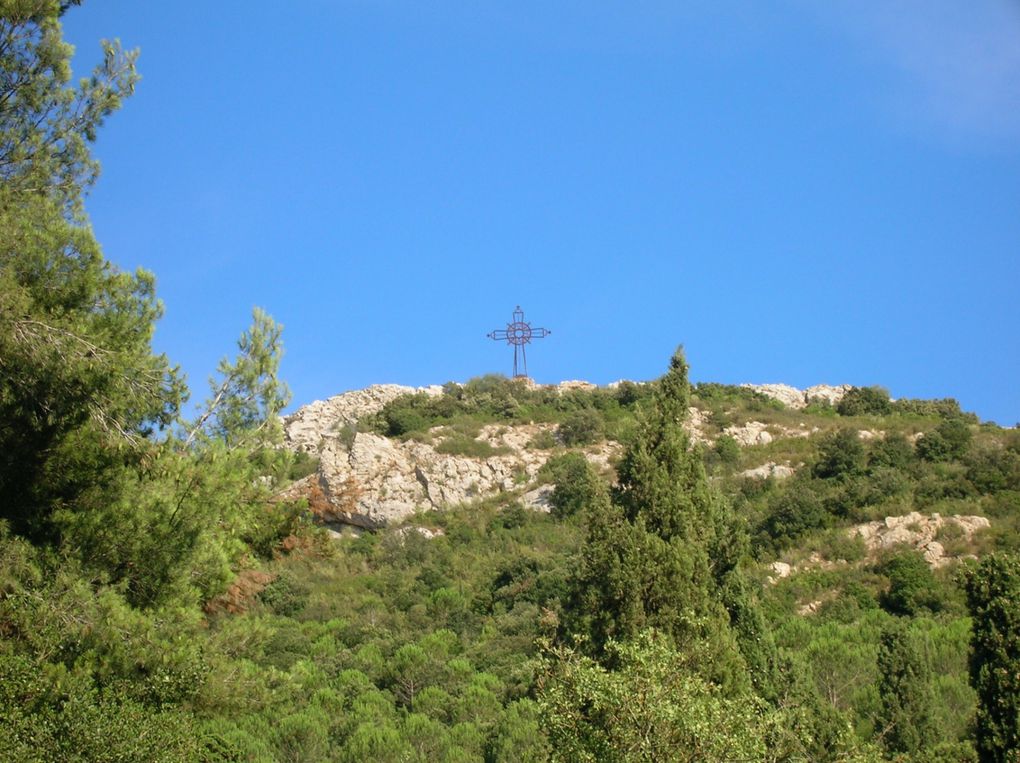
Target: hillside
{"points": [[489, 570]]}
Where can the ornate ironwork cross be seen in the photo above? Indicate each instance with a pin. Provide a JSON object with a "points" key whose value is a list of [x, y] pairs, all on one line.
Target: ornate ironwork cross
{"points": [[519, 333]]}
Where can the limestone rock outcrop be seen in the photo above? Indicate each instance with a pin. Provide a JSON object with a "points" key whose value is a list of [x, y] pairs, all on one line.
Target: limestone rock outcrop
{"points": [[796, 399], [789, 396], [305, 429], [378, 481], [770, 469], [366, 480], [751, 433], [370, 481], [917, 530], [826, 393]]}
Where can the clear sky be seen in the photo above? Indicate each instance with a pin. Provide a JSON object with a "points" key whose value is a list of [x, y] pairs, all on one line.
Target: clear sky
{"points": [[796, 191]]}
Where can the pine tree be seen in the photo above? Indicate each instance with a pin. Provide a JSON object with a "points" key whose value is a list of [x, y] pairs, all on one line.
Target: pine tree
{"points": [[80, 388]]}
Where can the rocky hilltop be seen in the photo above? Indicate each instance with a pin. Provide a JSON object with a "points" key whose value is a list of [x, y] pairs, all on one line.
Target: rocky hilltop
{"points": [[798, 399], [368, 480]]}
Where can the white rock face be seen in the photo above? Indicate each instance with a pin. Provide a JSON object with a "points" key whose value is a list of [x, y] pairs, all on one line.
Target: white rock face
{"points": [[305, 429], [370, 481], [826, 393], [779, 570], [751, 433], [789, 396], [695, 425], [914, 529], [584, 386], [428, 533], [771, 469], [539, 499], [796, 399], [917, 530]]}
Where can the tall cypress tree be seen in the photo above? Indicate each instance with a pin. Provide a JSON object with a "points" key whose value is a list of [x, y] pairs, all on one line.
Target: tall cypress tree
{"points": [[993, 597], [905, 687], [656, 554]]}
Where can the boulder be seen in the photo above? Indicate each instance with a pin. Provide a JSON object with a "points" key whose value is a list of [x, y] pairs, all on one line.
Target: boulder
{"points": [[539, 499], [770, 469], [751, 433]]}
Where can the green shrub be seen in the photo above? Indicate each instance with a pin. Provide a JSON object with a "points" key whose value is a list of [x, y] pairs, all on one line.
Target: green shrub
{"points": [[946, 408], [714, 393], [628, 394], [302, 465], [401, 421], [582, 427], [837, 544], [347, 434], [577, 483], [284, 596], [864, 401], [992, 469], [912, 586], [462, 445], [840, 455], [894, 450], [947, 442], [544, 440], [792, 513], [727, 450]]}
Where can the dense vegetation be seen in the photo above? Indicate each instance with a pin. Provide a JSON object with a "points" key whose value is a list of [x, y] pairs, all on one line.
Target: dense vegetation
{"points": [[158, 603]]}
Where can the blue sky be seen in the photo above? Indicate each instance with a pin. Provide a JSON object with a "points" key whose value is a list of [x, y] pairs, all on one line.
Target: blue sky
{"points": [[797, 192]]}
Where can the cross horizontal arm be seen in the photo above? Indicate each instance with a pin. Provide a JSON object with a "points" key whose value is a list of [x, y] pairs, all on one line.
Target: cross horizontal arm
{"points": [[504, 334]]}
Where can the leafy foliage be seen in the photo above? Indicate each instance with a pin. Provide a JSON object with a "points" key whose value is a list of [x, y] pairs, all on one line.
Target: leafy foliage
{"points": [[906, 690], [864, 401], [652, 706], [582, 427], [577, 484], [157, 602], [993, 596]]}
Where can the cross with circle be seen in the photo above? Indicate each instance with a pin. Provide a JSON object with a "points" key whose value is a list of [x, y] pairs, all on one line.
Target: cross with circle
{"points": [[519, 333]]}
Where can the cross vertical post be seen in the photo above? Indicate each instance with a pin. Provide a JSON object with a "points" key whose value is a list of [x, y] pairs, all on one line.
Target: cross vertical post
{"points": [[519, 333]]}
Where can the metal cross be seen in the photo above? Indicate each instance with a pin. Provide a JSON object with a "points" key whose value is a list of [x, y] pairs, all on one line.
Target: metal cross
{"points": [[518, 333]]}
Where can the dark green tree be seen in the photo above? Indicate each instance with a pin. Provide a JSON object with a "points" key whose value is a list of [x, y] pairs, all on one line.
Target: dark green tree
{"points": [[993, 598], [893, 451], [249, 395], [794, 511], [577, 484], [948, 441], [178, 520], [652, 707], [80, 389], [905, 687], [655, 556], [862, 401], [840, 455], [912, 586], [582, 427]]}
